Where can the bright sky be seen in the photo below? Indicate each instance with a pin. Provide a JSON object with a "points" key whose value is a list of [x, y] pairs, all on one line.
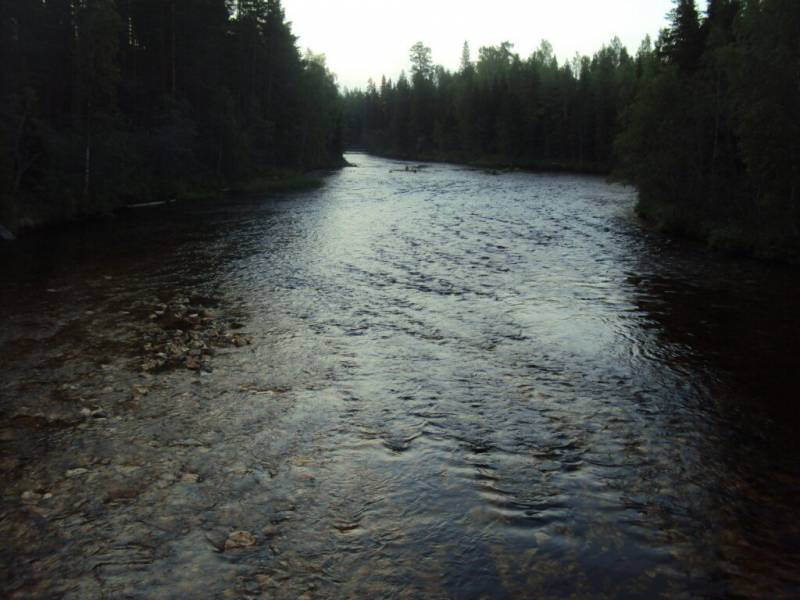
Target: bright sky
{"points": [[370, 38]]}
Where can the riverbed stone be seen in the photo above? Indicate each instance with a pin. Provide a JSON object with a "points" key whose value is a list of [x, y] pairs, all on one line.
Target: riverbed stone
{"points": [[30, 497], [264, 581], [240, 539], [270, 531]]}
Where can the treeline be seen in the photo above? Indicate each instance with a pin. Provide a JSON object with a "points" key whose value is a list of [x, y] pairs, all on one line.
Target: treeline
{"points": [[501, 109], [705, 121], [712, 139], [104, 102]]}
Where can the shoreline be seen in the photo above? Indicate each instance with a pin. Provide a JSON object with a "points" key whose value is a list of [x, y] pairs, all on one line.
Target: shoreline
{"points": [[40, 217]]}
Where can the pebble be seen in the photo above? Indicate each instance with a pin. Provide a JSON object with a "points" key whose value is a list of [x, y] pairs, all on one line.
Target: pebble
{"points": [[270, 531], [77, 472], [240, 539], [30, 496], [8, 463]]}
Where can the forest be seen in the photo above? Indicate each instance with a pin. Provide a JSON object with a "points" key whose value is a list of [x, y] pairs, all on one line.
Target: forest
{"points": [[705, 120], [500, 110], [110, 102]]}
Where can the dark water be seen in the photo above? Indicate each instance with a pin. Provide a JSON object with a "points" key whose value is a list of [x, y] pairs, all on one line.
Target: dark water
{"points": [[459, 385]]}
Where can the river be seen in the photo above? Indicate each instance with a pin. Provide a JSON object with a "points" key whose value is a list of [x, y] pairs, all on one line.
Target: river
{"points": [[433, 384]]}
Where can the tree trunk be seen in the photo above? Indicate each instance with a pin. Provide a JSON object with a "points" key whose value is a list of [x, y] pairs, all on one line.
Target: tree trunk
{"points": [[173, 84], [87, 164], [18, 152]]}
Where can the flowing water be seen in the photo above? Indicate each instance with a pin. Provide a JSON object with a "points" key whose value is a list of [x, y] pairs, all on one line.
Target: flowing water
{"points": [[446, 384]]}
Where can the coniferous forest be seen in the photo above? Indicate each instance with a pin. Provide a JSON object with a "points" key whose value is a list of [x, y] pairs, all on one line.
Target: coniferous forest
{"points": [[106, 102], [500, 110], [705, 120]]}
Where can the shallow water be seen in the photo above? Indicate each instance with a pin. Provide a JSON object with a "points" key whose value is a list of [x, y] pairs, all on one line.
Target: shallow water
{"points": [[458, 385]]}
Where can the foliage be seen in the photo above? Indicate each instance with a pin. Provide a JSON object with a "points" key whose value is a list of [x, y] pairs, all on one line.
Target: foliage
{"points": [[712, 138], [107, 101], [501, 110]]}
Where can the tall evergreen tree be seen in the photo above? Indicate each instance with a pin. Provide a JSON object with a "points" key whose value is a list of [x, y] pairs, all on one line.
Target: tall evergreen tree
{"points": [[683, 43]]}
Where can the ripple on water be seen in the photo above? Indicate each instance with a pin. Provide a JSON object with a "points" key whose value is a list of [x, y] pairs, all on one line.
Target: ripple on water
{"points": [[459, 386]]}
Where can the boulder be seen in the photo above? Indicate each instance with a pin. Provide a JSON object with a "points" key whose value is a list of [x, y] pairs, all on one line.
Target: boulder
{"points": [[240, 539]]}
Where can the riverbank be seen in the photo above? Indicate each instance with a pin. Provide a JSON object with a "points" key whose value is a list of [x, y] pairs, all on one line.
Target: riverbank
{"points": [[19, 217], [746, 238]]}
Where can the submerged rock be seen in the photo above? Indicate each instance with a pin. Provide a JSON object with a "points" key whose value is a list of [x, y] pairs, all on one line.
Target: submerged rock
{"points": [[183, 334], [29, 496], [240, 539]]}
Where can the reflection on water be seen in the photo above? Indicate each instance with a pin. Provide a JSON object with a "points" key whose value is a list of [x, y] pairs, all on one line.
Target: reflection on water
{"points": [[458, 386]]}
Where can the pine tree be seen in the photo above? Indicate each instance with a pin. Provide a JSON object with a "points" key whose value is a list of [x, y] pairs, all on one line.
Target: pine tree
{"points": [[466, 58], [683, 43]]}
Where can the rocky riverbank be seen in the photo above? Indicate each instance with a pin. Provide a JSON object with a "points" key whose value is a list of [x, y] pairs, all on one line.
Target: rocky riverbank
{"points": [[119, 438], [151, 336]]}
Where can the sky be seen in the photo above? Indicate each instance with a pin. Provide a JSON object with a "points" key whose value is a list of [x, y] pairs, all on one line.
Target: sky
{"points": [[371, 38]]}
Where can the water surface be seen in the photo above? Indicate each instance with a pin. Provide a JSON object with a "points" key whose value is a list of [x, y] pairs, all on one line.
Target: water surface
{"points": [[458, 385]]}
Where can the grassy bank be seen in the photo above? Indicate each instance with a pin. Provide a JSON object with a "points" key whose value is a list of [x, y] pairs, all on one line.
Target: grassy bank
{"points": [[282, 182], [19, 215], [754, 236]]}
